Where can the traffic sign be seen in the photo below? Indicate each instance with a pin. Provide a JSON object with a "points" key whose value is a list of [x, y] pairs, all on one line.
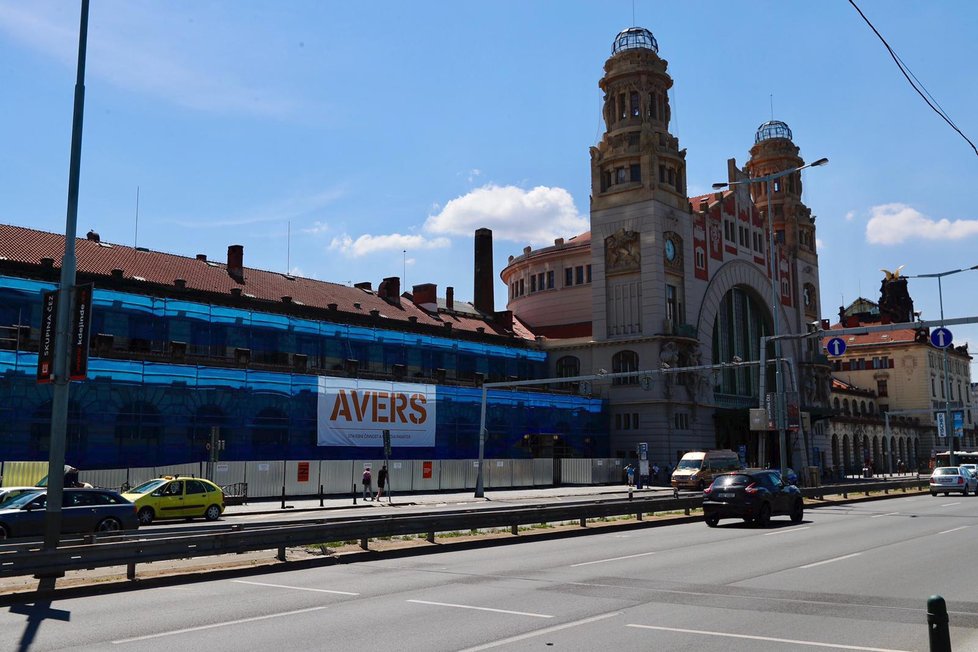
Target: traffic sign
{"points": [[941, 337], [836, 346]]}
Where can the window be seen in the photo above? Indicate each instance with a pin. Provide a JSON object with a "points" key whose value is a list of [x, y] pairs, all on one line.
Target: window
{"points": [[881, 389], [674, 306], [635, 420], [568, 366], [568, 276], [662, 174], [550, 280], [587, 273], [619, 175], [634, 104], [777, 185], [622, 107], [652, 112], [624, 361], [522, 288], [635, 172], [533, 283], [681, 421], [579, 274]]}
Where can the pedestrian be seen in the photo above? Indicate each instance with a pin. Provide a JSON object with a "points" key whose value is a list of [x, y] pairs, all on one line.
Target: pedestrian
{"points": [[381, 481], [365, 479], [630, 474]]}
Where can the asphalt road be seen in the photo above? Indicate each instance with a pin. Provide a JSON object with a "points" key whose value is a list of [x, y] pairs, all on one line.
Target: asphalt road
{"points": [[853, 577]]}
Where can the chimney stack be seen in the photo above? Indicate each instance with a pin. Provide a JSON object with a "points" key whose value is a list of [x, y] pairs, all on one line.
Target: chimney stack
{"points": [[450, 299], [390, 290], [483, 301], [236, 262], [425, 296]]}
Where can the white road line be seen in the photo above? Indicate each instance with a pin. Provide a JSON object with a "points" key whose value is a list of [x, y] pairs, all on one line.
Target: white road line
{"points": [[601, 561], [467, 606], [887, 514], [829, 561], [953, 529], [294, 588], [212, 626], [786, 531], [770, 638], [540, 632], [950, 504]]}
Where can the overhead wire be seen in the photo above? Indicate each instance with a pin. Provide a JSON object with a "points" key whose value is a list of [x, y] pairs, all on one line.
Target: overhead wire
{"points": [[912, 79]]}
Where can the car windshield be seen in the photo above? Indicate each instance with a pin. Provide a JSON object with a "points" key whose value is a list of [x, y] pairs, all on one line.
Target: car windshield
{"points": [[735, 480], [146, 487], [947, 470], [19, 501], [688, 465]]}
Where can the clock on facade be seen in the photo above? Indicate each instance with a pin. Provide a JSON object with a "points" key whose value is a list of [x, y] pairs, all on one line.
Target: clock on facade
{"points": [[670, 250]]}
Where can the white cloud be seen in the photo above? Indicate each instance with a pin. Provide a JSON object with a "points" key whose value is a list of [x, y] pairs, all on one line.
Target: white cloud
{"points": [[534, 216], [370, 244], [317, 228], [896, 223], [850, 216]]}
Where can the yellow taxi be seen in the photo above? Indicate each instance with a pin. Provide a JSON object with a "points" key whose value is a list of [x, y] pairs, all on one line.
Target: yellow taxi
{"points": [[176, 497]]}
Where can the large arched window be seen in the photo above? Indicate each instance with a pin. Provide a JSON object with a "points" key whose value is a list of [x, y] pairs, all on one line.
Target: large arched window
{"points": [[269, 433], [742, 319], [138, 431], [568, 366], [625, 361]]}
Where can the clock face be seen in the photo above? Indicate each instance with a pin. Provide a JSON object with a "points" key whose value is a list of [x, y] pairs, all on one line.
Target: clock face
{"points": [[670, 250]]}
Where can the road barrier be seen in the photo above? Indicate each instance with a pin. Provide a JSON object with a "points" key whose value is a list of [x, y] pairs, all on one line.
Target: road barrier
{"points": [[92, 551]]}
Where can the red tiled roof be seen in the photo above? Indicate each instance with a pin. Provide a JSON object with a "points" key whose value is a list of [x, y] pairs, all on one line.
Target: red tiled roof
{"points": [[28, 247], [879, 338], [709, 198]]}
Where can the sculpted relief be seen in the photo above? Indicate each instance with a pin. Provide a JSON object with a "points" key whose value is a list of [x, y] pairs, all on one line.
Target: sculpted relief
{"points": [[622, 252]]}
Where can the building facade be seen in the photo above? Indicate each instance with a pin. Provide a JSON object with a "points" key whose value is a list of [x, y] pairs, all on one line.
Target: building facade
{"points": [[664, 282]]}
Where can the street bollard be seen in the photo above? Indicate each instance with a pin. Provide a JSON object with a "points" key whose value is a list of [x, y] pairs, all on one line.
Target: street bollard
{"points": [[320, 495], [629, 493], [937, 624], [354, 493], [283, 496]]}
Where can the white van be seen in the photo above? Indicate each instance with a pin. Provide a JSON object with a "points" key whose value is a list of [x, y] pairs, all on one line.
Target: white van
{"points": [[697, 468]]}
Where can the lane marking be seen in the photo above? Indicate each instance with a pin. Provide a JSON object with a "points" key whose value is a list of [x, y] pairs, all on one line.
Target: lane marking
{"points": [[786, 531], [888, 514], [540, 632], [953, 529], [214, 625], [468, 606], [950, 504], [829, 561], [769, 638], [294, 588], [601, 561]]}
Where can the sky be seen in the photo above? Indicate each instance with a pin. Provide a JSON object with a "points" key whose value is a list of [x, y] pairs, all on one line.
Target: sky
{"points": [[350, 142]]}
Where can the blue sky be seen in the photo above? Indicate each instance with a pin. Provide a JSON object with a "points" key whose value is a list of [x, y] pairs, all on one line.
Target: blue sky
{"points": [[365, 130]]}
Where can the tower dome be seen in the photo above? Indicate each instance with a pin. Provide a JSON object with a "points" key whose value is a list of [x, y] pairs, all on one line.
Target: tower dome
{"points": [[634, 38], [772, 129]]}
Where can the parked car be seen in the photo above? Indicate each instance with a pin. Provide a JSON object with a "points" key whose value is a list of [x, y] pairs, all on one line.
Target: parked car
{"points": [[82, 511], [953, 478], [754, 495], [176, 497], [971, 467]]}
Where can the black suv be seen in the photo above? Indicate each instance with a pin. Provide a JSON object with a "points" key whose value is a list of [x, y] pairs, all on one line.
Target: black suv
{"points": [[754, 495]]}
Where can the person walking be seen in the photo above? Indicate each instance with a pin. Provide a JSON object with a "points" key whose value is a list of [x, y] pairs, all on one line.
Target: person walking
{"points": [[630, 474], [367, 489], [381, 481]]}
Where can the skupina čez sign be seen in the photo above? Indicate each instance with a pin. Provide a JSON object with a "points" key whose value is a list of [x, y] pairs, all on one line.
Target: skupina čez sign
{"points": [[354, 412]]}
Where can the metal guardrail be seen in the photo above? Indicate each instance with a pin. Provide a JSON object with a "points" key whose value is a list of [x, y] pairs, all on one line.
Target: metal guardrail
{"points": [[31, 559]]}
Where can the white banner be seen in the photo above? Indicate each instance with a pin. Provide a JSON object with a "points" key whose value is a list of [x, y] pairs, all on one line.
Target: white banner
{"points": [[356, 412]]}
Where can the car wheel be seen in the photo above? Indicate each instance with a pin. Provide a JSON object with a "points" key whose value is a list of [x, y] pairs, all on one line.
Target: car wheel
{"points": [[797, 511], [108, 525], [934, 494], [146, 516], [712, 520], [212, 513], [965, 492], [764, 516]]}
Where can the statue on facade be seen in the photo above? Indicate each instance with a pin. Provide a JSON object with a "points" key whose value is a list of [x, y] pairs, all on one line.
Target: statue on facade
{"points": [[895, 301], [622, 251]]}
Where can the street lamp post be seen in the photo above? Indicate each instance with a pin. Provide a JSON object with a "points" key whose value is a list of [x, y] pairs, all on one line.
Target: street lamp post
{"points": [[948, 425], [775, 298]]}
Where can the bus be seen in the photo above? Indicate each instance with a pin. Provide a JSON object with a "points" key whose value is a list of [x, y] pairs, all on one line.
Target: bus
{"points": [[960, 457]]}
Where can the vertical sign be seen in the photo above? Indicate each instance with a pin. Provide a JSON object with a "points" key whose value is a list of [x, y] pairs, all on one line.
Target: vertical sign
{"points": [[426, 470], [302, 472], [387, 444], [941, 426], [45, 353], [81, 318]]}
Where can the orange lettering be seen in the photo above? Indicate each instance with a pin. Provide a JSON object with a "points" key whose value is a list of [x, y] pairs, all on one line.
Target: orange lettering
{"points": [[418, 405], [340, 406], [397, 407], [380, 399], [360, 407]]}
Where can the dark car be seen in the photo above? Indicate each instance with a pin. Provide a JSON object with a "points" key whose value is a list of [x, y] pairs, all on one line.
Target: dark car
{"points": [[754, 495], [82, 511]]}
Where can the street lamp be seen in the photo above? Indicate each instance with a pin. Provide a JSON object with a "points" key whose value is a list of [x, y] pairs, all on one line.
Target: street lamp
{"points": [[947, 378], [775, 308]]}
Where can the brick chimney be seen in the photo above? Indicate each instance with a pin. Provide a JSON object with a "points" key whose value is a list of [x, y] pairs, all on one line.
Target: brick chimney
{"points": [[390, 290], [483, 295], [450, 299], [426, 297], [504, 318], [236, 262]]}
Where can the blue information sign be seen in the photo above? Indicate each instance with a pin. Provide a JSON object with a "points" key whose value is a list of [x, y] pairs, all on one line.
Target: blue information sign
{"points": [[941, 337], [836, 346]]}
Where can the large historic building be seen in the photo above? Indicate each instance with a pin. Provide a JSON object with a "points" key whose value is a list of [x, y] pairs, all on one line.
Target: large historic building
{"points": [[664, 281]]}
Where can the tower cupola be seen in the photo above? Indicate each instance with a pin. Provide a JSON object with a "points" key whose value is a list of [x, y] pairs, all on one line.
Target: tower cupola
{"points": [[634, 38]]}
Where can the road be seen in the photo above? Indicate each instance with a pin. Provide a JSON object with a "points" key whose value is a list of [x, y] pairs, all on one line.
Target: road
{"points": [[853, 577]]}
